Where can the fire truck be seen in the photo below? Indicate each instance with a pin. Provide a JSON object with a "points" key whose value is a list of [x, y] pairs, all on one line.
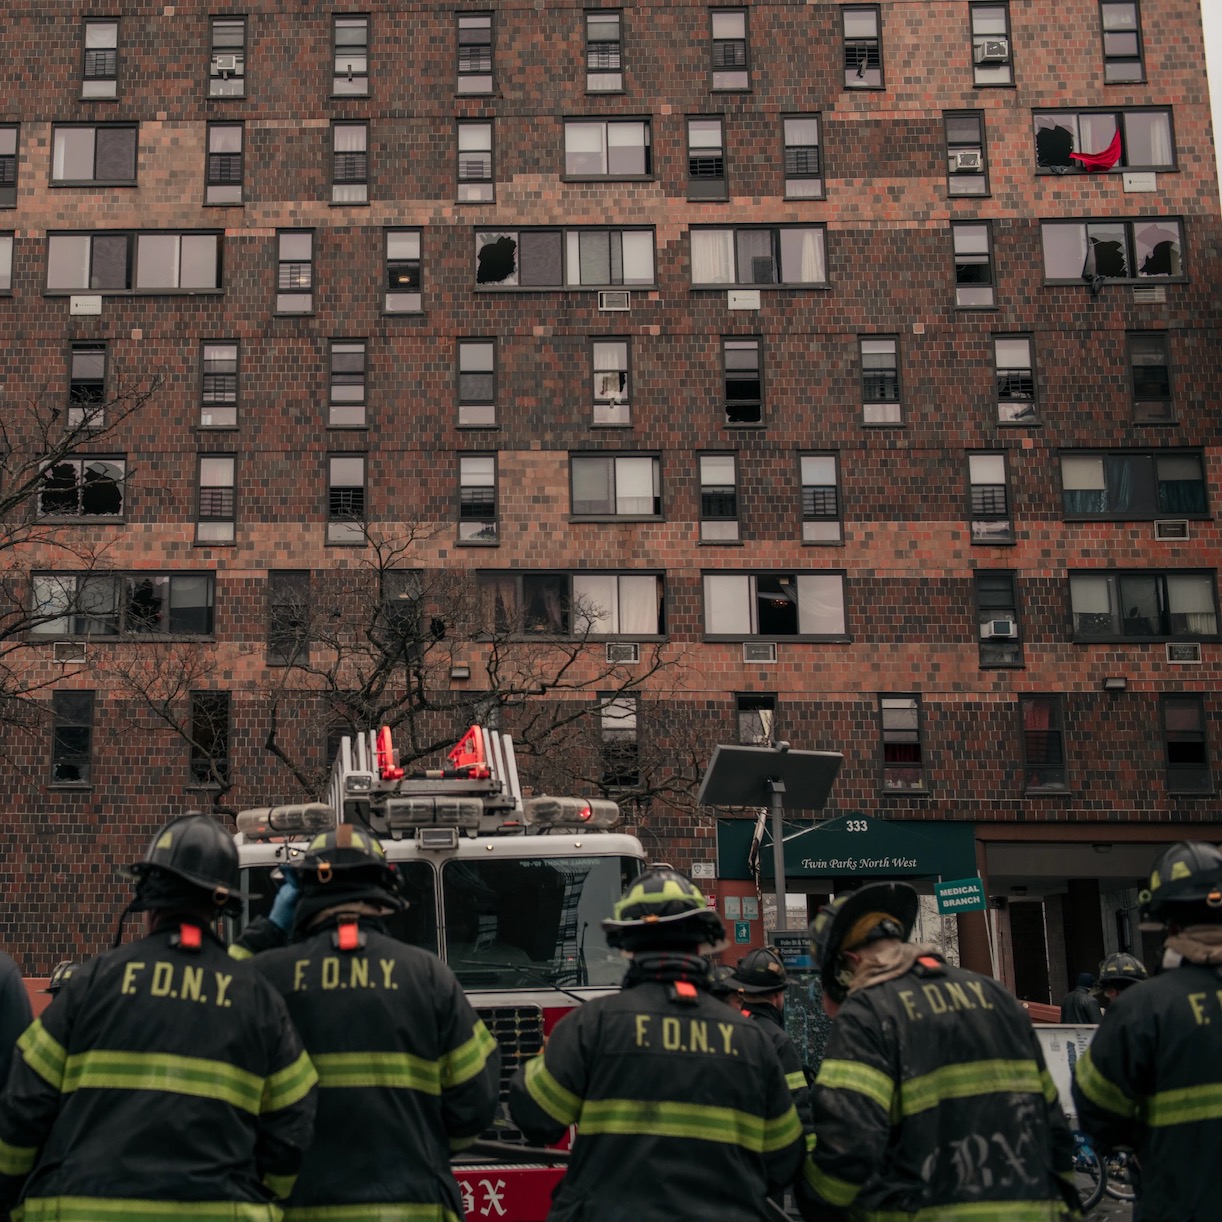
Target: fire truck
{"points": [[509, 890]]}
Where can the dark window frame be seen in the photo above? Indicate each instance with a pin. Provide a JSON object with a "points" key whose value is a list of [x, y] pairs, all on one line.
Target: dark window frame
{"points": [[1139, 58], [1149, 481], [1032, 417], [79, 461], [724, 61], [488, 579], [708, 492], [980, 38], [748, 703], [355, 518], [1130, 249], [1115, 613], [735, 404], [351, 167], [607, 122], [920, 763], [957, 145], [87, 397], [72, 713], [613, 457], [8, 243], [10, 164], [94, 180], [1146, 416], [1173, 770], [858, 48], [982, 506], [350, 20], [968, 259], [474, 405], [479, 71], [389, 266], [619, 753], [131, 238], [216, 76], [120, 604], [1121, 114], [881, 400], [1054, 756], [467, 179], [286, 276], [813, 507], [221, 401], [212, 503], [998, 653], [712, 182], [288, 609], [210, 744], [99, 68], [604, 403], [612, 69], [340, 377], [218, 166], [775, 256], [468, 504], [817, 175], [783, 578], [563, 233]]}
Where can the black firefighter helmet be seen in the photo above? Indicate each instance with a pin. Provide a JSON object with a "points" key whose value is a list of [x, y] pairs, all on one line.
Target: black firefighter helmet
{"points": [[1185, 885], [345, 866], [761, 971], [59, 976], [663, 909], [878, 910], [1121, 969], [191, 862]]}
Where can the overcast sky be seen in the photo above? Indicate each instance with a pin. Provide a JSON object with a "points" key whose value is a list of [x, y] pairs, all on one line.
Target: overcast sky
{"points": [[1211, 16]]}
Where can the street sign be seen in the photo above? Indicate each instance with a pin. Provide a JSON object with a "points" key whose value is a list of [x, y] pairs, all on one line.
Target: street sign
{"points": [[961, 895], [793, 945], [731, 909], [742, 932]]}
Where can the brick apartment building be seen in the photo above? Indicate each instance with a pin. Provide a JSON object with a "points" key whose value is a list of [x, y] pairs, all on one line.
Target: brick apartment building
{"points": [[795, 339]]}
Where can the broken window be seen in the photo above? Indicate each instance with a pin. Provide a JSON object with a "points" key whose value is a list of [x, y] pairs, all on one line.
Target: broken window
{"points": [[555, 258], [1077, 251]]}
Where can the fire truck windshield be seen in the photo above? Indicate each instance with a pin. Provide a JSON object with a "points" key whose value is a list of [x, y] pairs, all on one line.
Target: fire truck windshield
{"points": [[533, 922]]}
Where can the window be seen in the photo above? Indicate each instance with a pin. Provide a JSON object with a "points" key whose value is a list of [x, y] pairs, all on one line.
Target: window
{"points": [[100, 75], [124, 604], [579, 604], [400, 625], [903, 754], [114, 262], [83, 488], [71, 737], [227, 65], [224, 176], [803, 157], [1150, 376], [1184, 744], [863, 47], [477, 498], [6, 262], [820, 499], [1122, 51], [347, 383], [349, 163], [718, 498], [475, 180], [706, 159], [997, 618], [219, 386], [1129, 486], [215, 521], [94, 153], [558, 258], [974, 285], [617, 485], [621, 761], [604, 51], [210, 738], [8, 165], [790, 254], [1141, 139], [609, 362], [756, 718], [346, 498], [992, 60], [989, 499], [403, 271], [475, 53], [607, 148], [743, 381], [295, 271], [288, 617], [1014, 365], [967, 168], [87, 386], [740, 605], [731, 59], [1115, 605], [476, 383], [1043, 742], [350, 36], [1075, 251], [880, 379]]}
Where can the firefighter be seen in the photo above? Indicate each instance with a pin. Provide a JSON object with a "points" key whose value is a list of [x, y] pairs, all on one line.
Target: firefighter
{"points": [[1151, 1078], [681, 1106], [15, 1012], [933, 1100], [723, 986], [762, 979], [407, 1071], [1080, 1005], [162, 1080], [59, 976], [1117, 973]]}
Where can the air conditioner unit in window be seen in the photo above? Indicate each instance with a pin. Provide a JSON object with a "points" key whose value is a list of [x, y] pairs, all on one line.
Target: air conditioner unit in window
{"points": [[225, 63], [967, 160], [759, 651], [614, 299], [999, 630], [1171, 528], [1183, 653], [623, 653], [68, 653], [993, 51]]}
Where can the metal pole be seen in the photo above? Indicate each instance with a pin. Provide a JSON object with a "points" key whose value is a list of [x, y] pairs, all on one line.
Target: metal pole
{"points": [[777, 789]]}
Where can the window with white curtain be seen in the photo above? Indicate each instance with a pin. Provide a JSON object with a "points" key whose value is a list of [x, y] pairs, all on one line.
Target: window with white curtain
{"points": [[759, 255], [608, 485], [617, 604], [774, 604], [989, 499], [350, 163], [1145, 138], [607, 148], [1149, 605], [719, 498], [577, 604], [559, 258]]}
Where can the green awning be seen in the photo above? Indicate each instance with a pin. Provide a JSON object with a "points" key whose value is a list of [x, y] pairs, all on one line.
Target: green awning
{"points": [[853, 846]]}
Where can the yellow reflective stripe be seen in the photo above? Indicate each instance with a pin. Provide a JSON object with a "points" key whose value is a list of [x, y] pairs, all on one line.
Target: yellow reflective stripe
{"points": [[1184, 1106], [852, 1075], [657, 1118], [1100, 1091], [374, 1211], [560, 1104], [966, 1081], [978, 1211], [43, 1053], [465, 1062], [279, 1185], [1050, 1087], [796, 1080], [810, 1142], [288, 1085], [162, 1071], [17, 1160], [831, 1188], [240, 952], [102, 1209], [395, 1070]]}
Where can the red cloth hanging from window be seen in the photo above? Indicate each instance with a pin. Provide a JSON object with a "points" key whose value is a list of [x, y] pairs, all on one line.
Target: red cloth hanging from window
{"points": [[1101, 161]]}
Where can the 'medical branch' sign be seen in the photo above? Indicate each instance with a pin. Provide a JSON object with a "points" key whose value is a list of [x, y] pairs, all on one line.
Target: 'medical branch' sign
{"points": [[962, 895]]}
